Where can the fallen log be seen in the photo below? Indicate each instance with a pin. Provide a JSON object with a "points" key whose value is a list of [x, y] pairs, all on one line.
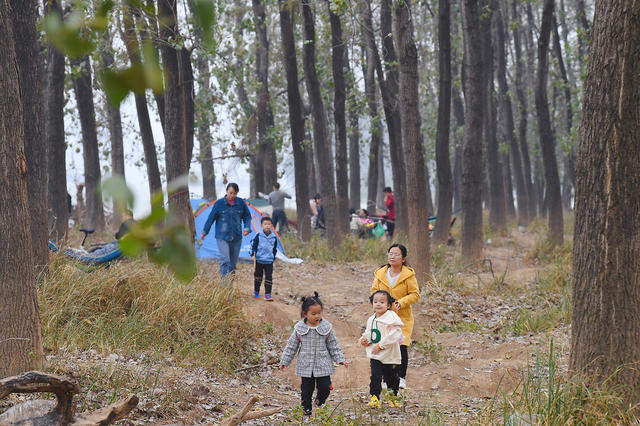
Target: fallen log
{"points": [[61, 412]]}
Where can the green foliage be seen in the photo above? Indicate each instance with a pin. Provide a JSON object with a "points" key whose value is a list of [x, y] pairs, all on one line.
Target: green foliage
{"points": [[164, 242], [205, 14]]}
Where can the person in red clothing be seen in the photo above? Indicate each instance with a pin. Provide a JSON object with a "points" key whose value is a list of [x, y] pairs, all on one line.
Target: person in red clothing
{"points": [[390, 216]]}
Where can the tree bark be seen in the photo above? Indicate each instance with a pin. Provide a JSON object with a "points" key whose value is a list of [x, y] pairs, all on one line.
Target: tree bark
{"points": [[20, 338], [520, 75], [472, 175], [115, 131], [606, 256], [320, 139], [389, 88], [205, 140], [296, 119], [497, 205], [547, 140], [175, 131], [568, 181], [354, 138], [458, 114], [266, 166], [339, 106], [54, 136], [414, 151], [508, 187], [144, 122], [508, 125], [443, 162], [82, 87], [369, 69], [30, 69], [149, 33]]}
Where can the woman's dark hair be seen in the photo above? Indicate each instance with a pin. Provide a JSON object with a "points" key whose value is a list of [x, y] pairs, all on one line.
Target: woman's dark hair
{"points": [[386, 293], [366, 213], [234, 186], [387, 189], [309, 301], [403, 250]]}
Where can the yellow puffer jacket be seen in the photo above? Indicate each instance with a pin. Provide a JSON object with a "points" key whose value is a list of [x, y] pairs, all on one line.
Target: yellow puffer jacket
{"points": [[405, 291]]}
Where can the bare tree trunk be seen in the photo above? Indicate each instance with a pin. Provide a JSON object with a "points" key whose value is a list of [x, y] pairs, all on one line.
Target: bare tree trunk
{"points": [[20, 338], [339, 99], [266, 167], [443, 163], [354, 138], [497, 205], [605, 339], [389, 87], [372, 102], [30, 66], [149, 33], [568, 110], [414, 151], [547, 141], [509, 127], [54, 136], [187, 83], [144, 122], [296, 119], [90, 152], [508, 187], [523, 110], [458, 114], [115, 131], [177, 164], [205, 140], [472, 175], [320, 140]]}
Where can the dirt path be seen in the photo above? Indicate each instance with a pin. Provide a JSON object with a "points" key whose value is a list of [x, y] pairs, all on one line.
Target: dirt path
{"points": [[472, 367]]}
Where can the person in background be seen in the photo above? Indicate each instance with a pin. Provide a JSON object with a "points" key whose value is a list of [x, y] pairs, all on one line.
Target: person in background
{"points": [[390, 215], [320, 222], [229, 213], [276, 199], [263, 251], [399, 280], [125, 226]]}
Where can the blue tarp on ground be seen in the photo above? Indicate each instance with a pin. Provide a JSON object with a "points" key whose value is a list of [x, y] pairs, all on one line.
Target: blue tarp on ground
{"points": [[209, 248]]}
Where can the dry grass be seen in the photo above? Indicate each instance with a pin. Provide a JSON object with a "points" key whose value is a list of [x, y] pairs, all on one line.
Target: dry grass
{"points": [[134, 307]]}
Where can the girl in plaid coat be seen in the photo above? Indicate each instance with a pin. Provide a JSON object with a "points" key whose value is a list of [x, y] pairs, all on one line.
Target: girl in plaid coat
{"points": [[315, 342]]}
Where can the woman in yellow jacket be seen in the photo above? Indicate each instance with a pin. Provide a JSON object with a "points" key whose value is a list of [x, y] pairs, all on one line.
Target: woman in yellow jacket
{"points": [[400, 281]]}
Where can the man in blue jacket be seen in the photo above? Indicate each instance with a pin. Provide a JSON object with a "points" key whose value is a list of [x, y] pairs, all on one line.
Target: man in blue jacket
{"points": [[229, 213], [263, 251]]}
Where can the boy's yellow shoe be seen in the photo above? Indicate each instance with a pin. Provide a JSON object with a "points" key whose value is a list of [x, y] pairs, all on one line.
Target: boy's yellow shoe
{"points": [[375, 402], [393, 401]]}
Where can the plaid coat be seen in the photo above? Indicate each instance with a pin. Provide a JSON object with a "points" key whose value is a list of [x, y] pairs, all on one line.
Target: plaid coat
{"points": [[317, 349]]}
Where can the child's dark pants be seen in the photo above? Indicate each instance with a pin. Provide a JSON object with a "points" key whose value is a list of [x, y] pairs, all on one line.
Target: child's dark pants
{"points": [[267, 268], [308, 385], [390, 374]]}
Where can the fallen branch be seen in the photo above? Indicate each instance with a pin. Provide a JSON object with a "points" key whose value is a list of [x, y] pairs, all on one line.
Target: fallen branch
{"points": [[244, 415]]}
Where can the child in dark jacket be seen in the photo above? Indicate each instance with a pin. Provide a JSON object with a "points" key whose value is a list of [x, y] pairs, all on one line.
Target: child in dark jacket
{"points": [[263, 251]]}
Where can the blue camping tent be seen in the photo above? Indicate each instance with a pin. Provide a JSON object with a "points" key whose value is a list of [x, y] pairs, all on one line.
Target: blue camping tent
{"points": [[208, 250]]}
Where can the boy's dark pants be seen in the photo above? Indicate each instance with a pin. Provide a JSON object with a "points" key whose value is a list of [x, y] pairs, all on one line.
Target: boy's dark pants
{"points": [[308, 385], [267, 268], [390, 374]]}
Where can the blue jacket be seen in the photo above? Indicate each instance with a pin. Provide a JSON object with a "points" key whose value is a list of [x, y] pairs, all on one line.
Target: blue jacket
{"points": [[264, 247], [228, 219]]}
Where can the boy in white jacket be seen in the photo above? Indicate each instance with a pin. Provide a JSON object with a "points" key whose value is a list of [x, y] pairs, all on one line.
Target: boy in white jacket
{"points": [[382, 338]]}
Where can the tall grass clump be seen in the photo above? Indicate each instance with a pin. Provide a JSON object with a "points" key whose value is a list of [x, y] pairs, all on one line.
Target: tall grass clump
{"points": [[352, 249], [544, 396], [134, 307]]}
